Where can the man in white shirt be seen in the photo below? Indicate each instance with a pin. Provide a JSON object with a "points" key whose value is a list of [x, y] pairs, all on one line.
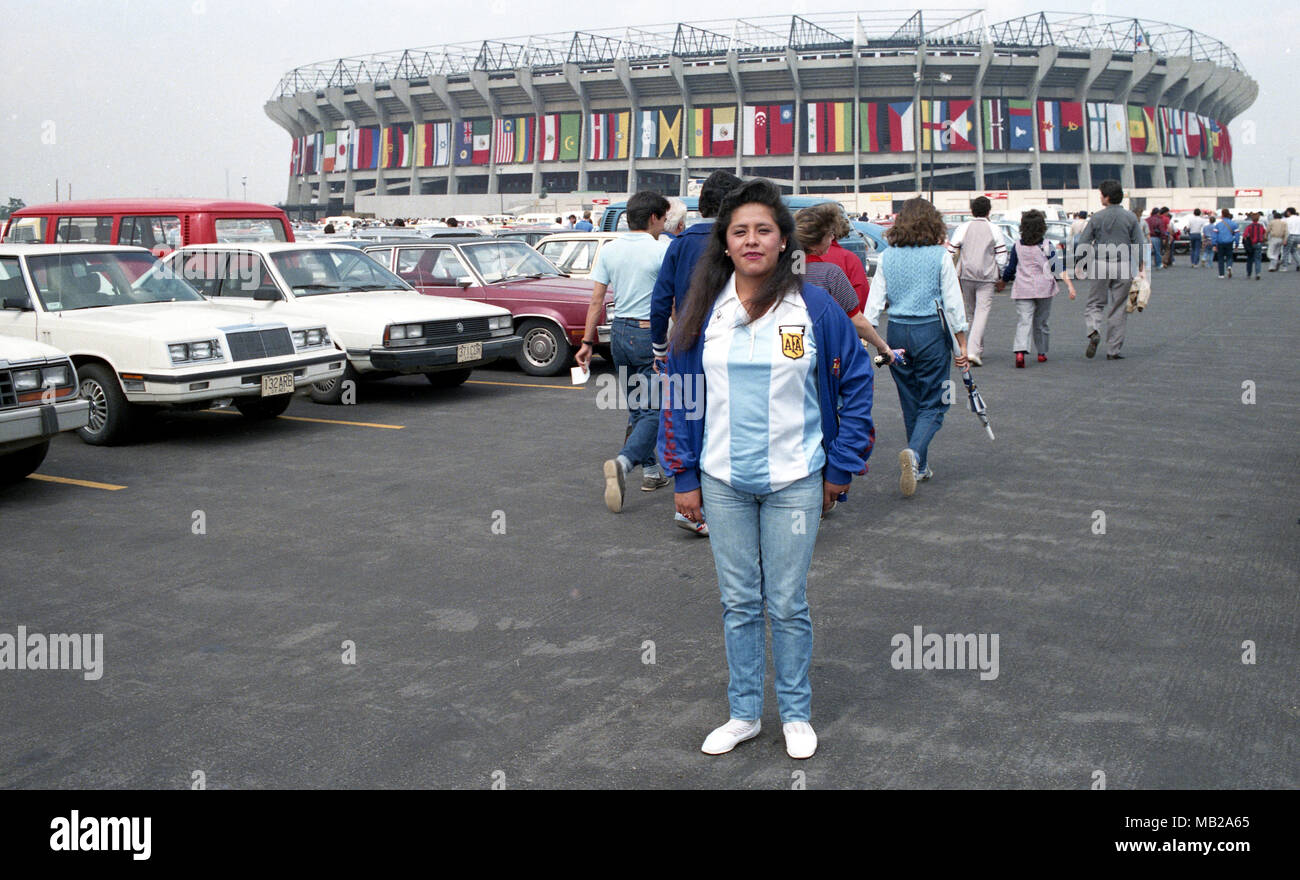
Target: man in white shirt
{"points": [[981, 255], [1195, 231], [1292, 252], [629, 266]]}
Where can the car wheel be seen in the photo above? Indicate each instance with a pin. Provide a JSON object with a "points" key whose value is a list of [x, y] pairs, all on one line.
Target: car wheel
{"points": [[447, 378], [110, 414], [332, 392], [261, 408], [17, 465], [546, 350]]}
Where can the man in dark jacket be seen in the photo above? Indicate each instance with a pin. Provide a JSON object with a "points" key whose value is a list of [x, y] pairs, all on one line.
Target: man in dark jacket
{"points": [[675, 273], [1110, 251]]}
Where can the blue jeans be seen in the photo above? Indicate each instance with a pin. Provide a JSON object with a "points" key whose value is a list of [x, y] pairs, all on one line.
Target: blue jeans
{"points": [[762, 547], [633, 356], [1223, 257], [1156, 261], [1291, 251], [1254, 259], [920, 381], [1196, 248]]}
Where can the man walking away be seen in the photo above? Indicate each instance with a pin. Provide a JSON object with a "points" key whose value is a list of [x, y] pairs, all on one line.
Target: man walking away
{"points": [[1167, 235], [1292, 252], [1276, 240], [1155, 232], [1253, 238], [583, 225], [981, 255], [1226, 234], [630, 265], [1111, 247], [1195, 227], [674, 281]]}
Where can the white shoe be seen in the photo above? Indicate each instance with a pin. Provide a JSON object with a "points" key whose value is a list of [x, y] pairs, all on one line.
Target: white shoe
{"points": [[974, 359], [732, 734], [929, 474], [907, 473], [800, 740], [615, 485]]}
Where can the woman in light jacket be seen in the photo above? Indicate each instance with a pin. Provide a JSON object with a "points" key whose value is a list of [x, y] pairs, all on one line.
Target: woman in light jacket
{"points": [[1034, 265], [767, 417]]}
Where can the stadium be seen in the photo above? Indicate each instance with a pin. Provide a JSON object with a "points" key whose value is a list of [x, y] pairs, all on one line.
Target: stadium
{"points": [[829, 103]]}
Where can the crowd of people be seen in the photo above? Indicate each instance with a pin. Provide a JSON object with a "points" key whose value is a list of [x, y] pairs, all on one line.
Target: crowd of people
{"points": [[752, 322]]}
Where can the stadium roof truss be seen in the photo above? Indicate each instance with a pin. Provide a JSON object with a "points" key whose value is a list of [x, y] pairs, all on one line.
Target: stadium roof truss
{"points": [[765, 35]]}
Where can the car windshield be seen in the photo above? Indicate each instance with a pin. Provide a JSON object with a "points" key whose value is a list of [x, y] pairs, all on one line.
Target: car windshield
{"points": [[70, 282], [503, 260], [315, 271]]}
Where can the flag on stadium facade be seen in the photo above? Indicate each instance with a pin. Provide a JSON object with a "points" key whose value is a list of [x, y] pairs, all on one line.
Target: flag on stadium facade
{"points": [[559, 136], [365, 148], [902, 122], [482, 141], [1072, 133], [473, 141], [659, 133], [1207, 146], [1020, 125], [608, 135], [503, 140], [961, 126], [295, 157], [881, 126], [1049, 126], [934, 116], [1107, 128], [342, 148], [396, 145], [768, 130], [647, 134], [713, 131], [829, 127], [995, 124], [329, 151], [1142, 134], [525, 138], [432, 144], [1173, 132], [1192, 137]]}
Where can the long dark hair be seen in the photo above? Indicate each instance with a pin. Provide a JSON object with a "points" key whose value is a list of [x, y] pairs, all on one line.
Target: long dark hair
{"points": [[714, 267]]}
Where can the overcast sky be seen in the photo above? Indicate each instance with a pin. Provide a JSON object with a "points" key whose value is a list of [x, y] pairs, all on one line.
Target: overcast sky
{"points": [[154, 98]]}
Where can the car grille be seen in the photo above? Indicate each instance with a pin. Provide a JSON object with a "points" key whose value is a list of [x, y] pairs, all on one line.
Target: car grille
{"points": [[8, 397], [437, 332], [253, 344]]}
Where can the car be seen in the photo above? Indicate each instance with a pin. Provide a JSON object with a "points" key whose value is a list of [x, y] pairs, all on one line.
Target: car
{"points": [[528, 234], [549, 309], [141, 337], [574, 253], [385, 326], [872, 237], [38, 399]]}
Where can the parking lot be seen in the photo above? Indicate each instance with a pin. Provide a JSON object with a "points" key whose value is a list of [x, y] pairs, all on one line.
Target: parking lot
{"points": [[504, 622]]}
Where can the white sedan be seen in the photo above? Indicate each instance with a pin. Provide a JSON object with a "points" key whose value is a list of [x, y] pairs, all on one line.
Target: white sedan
{"points": [[386, 326], [38, 399], [141, 337]]}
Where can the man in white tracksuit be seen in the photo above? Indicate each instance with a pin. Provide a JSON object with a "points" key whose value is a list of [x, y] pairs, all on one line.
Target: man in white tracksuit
{"points": [[981, 256]]}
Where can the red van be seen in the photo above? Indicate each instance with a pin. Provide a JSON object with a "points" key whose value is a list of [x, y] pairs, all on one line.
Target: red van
{"points": [[161, 225]]}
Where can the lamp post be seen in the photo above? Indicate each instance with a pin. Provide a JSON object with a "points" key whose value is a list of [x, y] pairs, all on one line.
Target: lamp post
{"points": [[943, 78], [243, 181]]}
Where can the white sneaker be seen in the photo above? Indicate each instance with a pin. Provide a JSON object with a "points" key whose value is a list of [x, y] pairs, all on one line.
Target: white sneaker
{"points": [[974, 359], [730, 735], [615, 485], [928, 475], [800, 740], [907, 475]]}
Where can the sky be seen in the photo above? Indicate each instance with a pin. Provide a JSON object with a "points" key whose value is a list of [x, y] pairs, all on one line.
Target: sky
{"points": [[151, 98]]}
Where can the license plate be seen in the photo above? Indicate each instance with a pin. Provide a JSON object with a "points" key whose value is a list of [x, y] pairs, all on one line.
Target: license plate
{"points": [[277, 383], [469, 351]]}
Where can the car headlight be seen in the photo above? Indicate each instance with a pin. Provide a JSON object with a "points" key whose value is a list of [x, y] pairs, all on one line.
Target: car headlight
{"points": [[609, 313], [397, 331], [414, 331], [313, 338], [204, 350], [27, 380], [500, 323], [57, 376]]}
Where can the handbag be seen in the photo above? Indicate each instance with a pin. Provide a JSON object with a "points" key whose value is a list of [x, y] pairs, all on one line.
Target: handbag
{"points": [[1139, 294]]}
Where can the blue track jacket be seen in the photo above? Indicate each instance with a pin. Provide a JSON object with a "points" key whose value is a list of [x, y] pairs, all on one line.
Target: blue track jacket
{"points": [[845, 381], [675, 280]]}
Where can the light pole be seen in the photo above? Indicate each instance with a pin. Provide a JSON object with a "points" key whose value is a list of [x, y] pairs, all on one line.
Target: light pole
{"points": [[243, 181], [943, 77]]}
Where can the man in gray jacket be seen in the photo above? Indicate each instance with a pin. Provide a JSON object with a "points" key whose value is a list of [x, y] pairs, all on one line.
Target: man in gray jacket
{"points": [[1108, 251]]}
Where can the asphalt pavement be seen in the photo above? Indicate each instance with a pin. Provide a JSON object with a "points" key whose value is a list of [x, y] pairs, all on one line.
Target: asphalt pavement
{"points": [[1131, 538]]}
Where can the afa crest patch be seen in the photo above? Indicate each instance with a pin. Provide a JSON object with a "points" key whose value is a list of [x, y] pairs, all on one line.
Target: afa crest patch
{"points": [[835, 366], [792, 340]]}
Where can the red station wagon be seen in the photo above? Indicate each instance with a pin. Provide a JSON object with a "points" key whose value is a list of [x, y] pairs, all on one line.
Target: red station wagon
{"points": [[161, 225], [549, 308]]}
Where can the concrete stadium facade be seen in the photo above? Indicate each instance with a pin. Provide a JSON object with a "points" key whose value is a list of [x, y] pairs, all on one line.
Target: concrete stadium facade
{"points": [[399, 109]]}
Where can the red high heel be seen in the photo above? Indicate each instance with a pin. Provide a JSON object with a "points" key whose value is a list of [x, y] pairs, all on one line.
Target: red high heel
{"points": [[1020, 360], [1042, 358]]}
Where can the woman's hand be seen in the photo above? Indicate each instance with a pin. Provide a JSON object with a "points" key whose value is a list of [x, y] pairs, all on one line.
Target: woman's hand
{"points": [[959, 358], [690, 505], [999, 285], [831, 493]]}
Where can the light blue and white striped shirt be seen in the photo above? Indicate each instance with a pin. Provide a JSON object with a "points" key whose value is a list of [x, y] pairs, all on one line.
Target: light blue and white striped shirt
{"points": [[763, 424]]}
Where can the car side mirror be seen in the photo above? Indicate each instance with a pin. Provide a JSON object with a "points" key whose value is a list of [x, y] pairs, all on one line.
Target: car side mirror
{"points": [[464, 283], [266, 295], [20, 303]]}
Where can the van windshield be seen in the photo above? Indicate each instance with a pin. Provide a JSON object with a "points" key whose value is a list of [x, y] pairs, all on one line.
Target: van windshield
{"points": [[233, 230], [70, 282]]}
